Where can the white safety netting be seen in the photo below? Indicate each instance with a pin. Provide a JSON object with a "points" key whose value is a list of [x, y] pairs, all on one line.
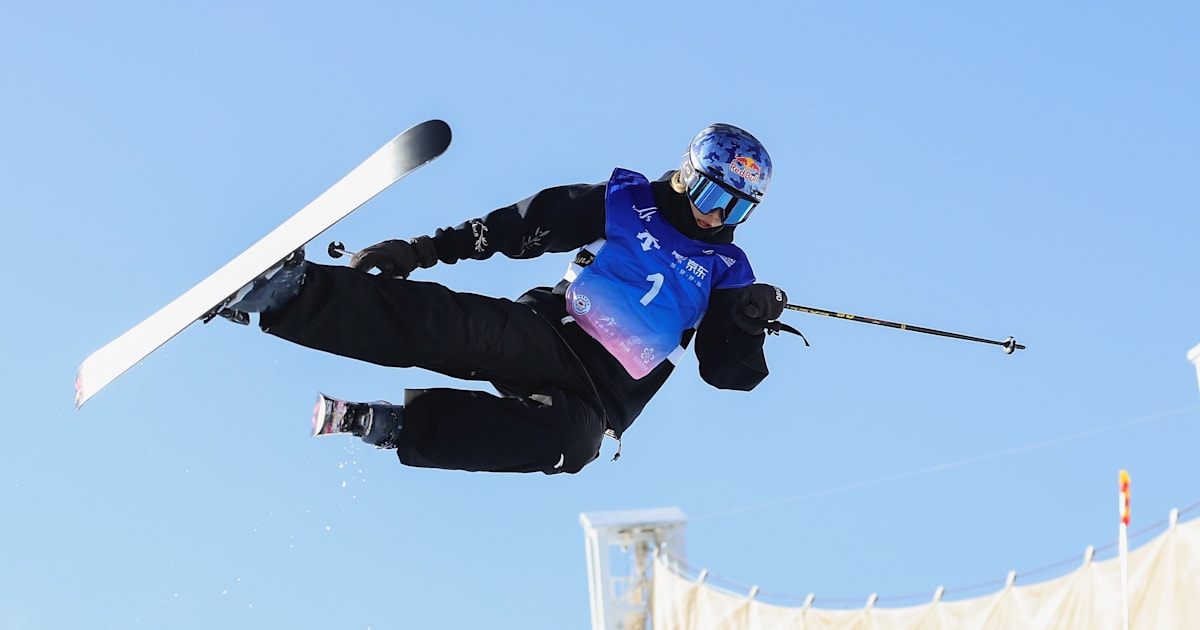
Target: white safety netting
{"points": [[1164, 585]]}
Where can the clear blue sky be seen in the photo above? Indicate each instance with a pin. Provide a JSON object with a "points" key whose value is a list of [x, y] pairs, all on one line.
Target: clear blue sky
{"points": [[1023, 170]]}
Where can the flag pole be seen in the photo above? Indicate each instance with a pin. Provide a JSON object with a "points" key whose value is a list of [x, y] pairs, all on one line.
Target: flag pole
{"points": [[1123, 545]]}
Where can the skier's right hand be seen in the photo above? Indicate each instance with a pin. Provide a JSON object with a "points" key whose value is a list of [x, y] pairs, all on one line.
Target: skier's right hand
{"points": [[760, 305], [396, 258]]}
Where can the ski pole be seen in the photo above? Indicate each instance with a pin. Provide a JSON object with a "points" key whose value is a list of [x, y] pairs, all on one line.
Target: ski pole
{"points": [[1009, 345], [337, 250]]}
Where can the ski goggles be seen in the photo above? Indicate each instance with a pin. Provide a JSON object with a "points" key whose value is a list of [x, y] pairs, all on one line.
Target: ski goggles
{"points": [[710, 196]]}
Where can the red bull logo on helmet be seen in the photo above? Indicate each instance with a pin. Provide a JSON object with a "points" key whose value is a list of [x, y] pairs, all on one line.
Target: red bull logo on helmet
{"points": [[747, 167]]}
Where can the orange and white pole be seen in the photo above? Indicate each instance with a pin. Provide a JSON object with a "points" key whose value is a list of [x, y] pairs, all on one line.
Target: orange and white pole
{"points": [[1123, 546]]}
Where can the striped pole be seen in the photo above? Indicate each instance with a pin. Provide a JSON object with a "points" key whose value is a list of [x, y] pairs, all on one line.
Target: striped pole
{"points": [[1123, 543]]}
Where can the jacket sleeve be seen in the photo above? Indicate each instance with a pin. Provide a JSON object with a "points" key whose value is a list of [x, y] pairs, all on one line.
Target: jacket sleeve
{"points": [[730, 358], [559, 219]]}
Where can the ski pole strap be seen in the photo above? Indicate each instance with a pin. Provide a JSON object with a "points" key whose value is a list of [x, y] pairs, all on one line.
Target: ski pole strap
{"points": [[774, 327]]}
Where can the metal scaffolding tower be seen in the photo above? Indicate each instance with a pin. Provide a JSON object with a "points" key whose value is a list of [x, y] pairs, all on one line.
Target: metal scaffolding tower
{"points": [[620, 594]]}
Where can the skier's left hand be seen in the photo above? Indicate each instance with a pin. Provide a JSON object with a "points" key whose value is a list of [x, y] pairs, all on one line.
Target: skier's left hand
{"points": [[396, 258], [761, 303]]}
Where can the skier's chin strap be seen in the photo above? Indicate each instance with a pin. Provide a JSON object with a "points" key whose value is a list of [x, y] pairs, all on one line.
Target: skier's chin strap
{"points": [[773, 328]]}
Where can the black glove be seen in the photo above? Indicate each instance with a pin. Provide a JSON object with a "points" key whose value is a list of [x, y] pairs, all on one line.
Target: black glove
{"points": [[759, 305], [396, 258]]}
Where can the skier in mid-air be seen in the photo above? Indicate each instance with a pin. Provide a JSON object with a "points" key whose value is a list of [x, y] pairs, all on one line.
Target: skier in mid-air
{"points": [[656, 267]]}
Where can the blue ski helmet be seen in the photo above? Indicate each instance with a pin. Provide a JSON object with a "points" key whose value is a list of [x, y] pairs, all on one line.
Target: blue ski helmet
{"points": [[727, 169]]}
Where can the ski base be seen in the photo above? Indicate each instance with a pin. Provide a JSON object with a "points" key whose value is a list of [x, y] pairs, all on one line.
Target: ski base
{"points": [[402, 155]]}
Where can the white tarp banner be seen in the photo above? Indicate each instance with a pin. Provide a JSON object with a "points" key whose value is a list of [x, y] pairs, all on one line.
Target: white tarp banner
{"points": [[1164, 580]]}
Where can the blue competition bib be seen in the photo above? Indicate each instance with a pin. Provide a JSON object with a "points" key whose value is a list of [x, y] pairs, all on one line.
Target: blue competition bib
{"points": [[648, 283]]}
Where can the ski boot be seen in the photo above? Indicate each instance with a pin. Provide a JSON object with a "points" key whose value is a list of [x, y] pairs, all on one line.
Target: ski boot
{"points": [[271, 290], [378, 423]]}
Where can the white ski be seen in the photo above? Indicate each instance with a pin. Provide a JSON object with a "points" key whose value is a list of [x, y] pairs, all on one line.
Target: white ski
{"points": [[402, 155]]}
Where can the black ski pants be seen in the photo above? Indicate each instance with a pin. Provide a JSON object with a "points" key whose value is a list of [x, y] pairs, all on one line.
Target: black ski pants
{"points": [[547, 419]]}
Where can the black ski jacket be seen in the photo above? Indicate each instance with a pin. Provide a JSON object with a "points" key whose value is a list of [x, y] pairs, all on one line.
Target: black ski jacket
{"points": [[566, 218]]}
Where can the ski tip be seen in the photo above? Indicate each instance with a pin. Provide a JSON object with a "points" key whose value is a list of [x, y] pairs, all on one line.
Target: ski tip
{"points": [[435, 132], [438, 124]]}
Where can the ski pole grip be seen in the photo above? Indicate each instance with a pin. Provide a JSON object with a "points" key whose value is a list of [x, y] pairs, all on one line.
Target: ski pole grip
{"points": [[751, 311], [336, 250]]}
